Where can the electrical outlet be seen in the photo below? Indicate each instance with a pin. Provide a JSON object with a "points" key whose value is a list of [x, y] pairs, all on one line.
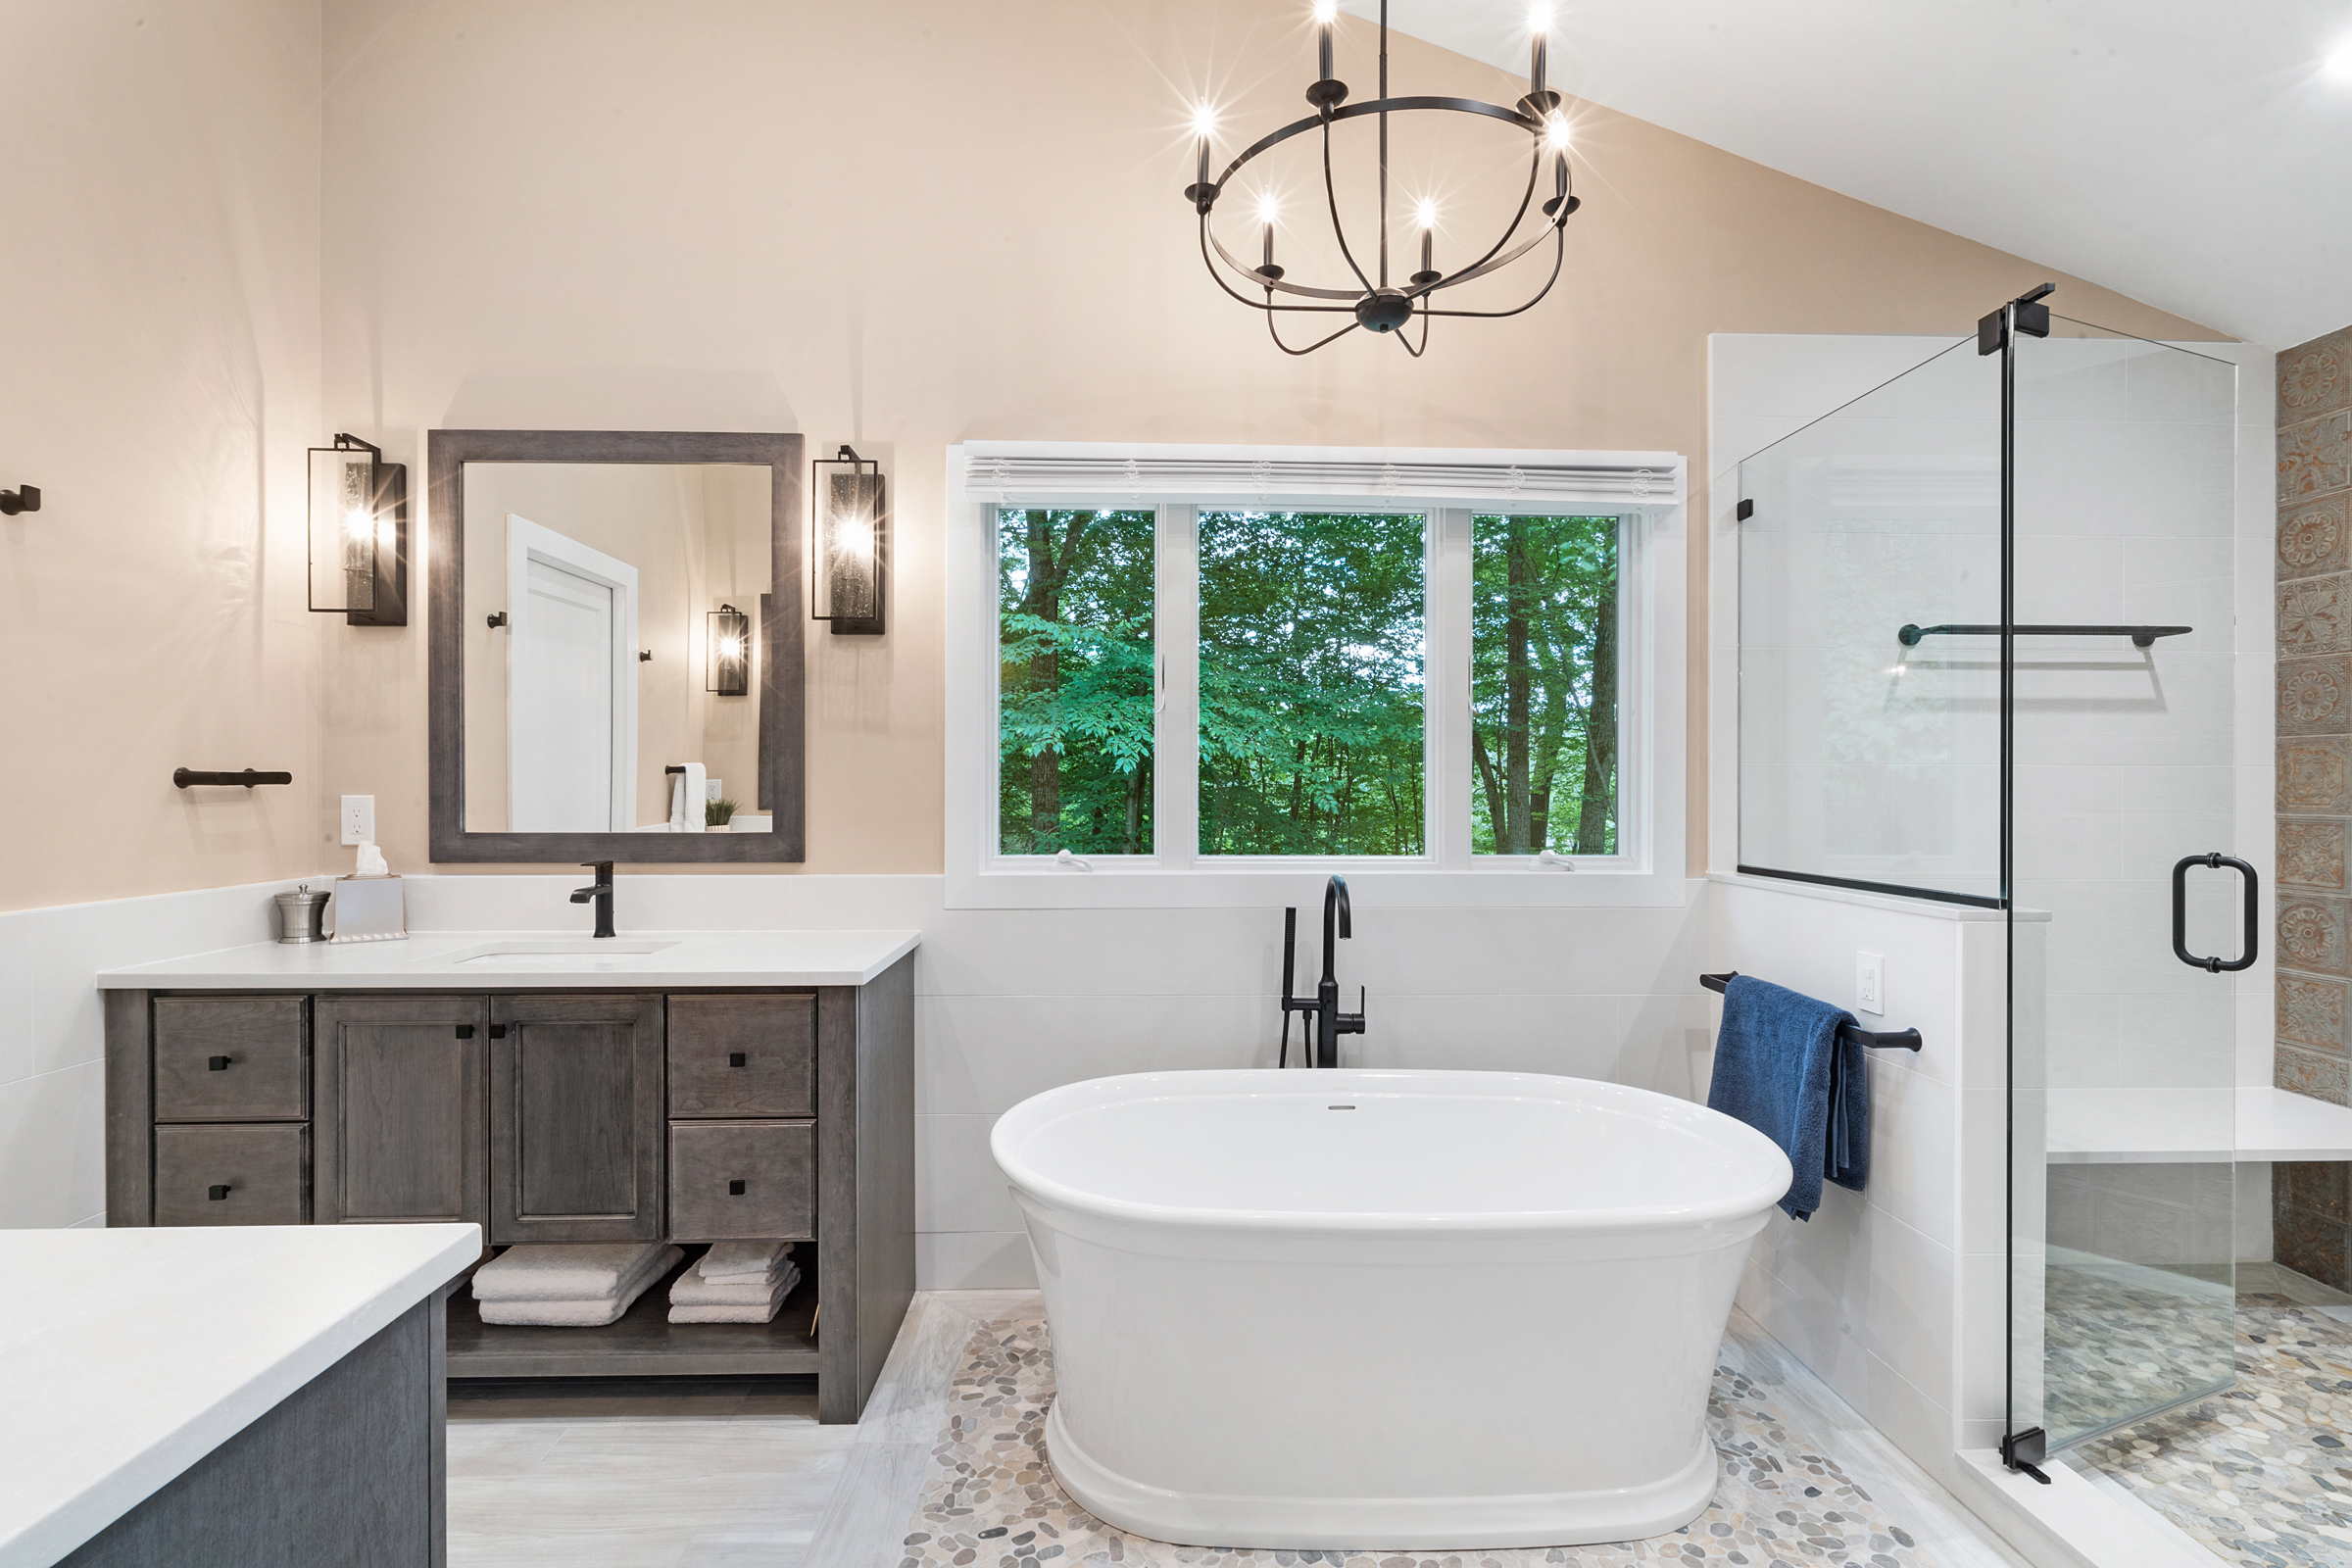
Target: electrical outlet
{"points": [[359, 820], [1870, 983]]}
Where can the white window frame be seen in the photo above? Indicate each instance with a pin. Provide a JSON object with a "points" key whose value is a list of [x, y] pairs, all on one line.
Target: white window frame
{"points": [[1647, 871]]}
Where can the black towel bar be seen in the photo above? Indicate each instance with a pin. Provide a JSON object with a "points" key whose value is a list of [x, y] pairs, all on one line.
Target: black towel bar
{"points": [[2142, 636], [186, 777], [1900, 1040]]}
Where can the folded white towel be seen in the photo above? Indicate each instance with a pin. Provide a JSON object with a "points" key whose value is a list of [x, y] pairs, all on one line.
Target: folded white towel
{"points": [[756, 1313], [690, 1290], [589, 1314], [577, 1272], [735, 1261]]}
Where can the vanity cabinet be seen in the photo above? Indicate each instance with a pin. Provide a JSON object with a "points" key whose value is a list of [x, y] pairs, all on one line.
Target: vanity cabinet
{"points": [[580, 1114]]}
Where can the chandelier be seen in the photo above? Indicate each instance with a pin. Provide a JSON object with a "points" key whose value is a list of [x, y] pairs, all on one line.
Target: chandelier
{"points": [[1374, 303]]}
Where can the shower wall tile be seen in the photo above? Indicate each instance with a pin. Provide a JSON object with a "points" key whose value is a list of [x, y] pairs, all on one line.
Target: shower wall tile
{"points": [[2315, 615], [2316, 1185], [2310, 1244], [2314, 696], [2311, 854], [2310, 1072], [2316, 378], [2313, 539], [2313, 935], [2315, 456], [2315, 777], [2312, 1012]]}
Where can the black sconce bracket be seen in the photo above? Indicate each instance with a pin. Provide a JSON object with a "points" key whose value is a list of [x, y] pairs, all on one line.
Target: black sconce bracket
{"points": [[25, 498]]}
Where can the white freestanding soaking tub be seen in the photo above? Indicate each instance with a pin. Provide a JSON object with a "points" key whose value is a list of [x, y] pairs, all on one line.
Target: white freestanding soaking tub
{"points": [[1384, 1309]]}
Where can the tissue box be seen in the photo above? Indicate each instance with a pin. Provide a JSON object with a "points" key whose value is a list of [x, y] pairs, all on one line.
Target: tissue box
{"points": [[368, 908]]}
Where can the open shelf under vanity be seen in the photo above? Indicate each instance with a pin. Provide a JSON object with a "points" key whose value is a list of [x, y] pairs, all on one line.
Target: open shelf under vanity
{"points": [[644, 1343]]}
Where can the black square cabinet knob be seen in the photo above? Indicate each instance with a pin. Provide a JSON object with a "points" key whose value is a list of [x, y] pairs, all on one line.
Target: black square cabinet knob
{"points": [[735, 1058], [216, 1064], [216, 1193], [734, 1189]]}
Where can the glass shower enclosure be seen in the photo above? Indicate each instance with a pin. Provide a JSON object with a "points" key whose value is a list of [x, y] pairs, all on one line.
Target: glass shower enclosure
{"points": [[1986, 643]]}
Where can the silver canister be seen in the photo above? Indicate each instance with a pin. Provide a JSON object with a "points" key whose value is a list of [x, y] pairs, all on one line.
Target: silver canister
{"points": [[302, 915]]}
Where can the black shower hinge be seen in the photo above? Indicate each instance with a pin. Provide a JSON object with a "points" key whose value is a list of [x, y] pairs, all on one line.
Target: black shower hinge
{"points": [[2032, 320], [1748, 510], [2027, 1451]]}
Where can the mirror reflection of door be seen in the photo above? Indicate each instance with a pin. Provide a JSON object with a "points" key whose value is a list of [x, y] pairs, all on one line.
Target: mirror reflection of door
{"points": [[571, 684]]}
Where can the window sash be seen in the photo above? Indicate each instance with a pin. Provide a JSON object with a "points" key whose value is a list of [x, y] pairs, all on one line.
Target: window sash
{"points": [[1448, 770]]}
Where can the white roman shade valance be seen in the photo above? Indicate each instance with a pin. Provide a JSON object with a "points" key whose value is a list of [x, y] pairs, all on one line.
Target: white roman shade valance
{"points": [[1017, 473]]}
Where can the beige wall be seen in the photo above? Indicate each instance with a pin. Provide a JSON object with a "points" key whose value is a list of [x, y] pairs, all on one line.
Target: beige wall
{"points": [[907, 226], [159, 381]]}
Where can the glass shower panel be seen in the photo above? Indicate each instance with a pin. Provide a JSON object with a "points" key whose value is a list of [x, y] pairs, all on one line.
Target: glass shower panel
{"points": [[1869, 752], [2122, 1055]]}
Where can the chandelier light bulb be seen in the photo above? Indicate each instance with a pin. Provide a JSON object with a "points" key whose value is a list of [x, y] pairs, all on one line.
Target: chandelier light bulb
{"points": [[1538, 18], [2338, 63], [1555, 133], [1327, 12], [1204, 120], [1427, 212], [1268, 209]]}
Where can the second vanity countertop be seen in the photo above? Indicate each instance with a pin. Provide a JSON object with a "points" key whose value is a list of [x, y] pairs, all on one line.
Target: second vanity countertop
{"points": [[498, 960]]}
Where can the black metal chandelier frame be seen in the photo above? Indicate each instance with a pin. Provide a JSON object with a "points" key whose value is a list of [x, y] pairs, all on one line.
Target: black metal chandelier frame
{"points": [[1377, 305]]}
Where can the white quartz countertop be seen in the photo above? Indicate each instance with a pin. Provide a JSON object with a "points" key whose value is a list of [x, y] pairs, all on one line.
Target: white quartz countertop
{"points": [[503, 959], [127, 1355], [2190, 1126]]}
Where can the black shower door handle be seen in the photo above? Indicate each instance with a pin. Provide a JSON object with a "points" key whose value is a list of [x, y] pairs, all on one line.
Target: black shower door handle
{"points": [[2216, 860]]}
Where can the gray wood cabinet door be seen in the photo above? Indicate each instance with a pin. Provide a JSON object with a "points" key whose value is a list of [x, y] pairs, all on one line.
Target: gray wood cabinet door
{"points": [[401, 1115], [575, 1117]]}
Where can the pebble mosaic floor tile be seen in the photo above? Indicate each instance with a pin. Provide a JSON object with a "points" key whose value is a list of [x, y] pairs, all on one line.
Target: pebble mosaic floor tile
{"points": [[2262, 1473], [2116, 1345], [991, 1501]]}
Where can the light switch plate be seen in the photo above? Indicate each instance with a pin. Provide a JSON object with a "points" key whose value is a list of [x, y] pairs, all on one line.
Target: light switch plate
{"points": [[1870, 983], [359, 820]]}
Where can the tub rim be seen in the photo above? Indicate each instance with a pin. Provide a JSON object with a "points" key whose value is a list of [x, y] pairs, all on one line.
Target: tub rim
{"points": [[1741, 1203]]}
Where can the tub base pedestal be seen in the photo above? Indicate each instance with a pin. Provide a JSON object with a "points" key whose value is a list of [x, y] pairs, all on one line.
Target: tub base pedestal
{"points": [[1380, 1523]]}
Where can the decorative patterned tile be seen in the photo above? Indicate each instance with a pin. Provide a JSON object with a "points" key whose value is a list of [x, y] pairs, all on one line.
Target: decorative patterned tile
{"points": [[2315, 776], [2314, 615], [2311, 1011], [2316, 377], [2259, 1474], [991, 1501], [2314, 538], [2321, 1187], [2313, 935], [2314, 696], [2315, 456], [2311, 854], [2309, 1072], [2311, 1245]]}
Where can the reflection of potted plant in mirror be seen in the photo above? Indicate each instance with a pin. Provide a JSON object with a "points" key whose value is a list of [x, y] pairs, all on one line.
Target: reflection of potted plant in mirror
{"points": [[719, 813]]}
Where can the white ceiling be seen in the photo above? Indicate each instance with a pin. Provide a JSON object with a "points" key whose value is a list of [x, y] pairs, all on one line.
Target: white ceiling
{"points": [[2194, 154]]}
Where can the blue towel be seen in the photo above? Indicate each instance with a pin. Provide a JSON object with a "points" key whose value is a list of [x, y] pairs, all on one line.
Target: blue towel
{"points": [[1781, 1069]]}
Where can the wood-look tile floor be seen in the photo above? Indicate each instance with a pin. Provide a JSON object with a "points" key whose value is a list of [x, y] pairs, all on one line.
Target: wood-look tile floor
{"points": [[672, 1474]]}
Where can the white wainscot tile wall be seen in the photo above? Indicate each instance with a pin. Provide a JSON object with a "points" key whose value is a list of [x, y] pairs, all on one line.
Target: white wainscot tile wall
{"points": [[1009, 1002]]}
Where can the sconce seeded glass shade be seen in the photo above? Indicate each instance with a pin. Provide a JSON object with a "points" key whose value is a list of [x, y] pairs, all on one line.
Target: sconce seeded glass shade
{"points": [[359, 534], [847, 545], [728, 665]]}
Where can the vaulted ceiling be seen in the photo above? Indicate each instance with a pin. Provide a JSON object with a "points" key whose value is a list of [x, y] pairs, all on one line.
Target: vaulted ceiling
{"points": [[2194, 154]]}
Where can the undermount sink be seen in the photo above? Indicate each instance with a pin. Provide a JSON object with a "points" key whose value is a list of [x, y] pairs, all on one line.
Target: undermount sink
{"points": [[560, 953]]}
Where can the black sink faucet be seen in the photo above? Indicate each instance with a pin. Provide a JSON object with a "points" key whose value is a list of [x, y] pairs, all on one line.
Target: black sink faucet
{"points": [[1329, 1021], [602, 895]]}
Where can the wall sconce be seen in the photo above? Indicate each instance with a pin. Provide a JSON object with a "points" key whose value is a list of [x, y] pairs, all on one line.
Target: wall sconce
{"points": [[359, 534], [728, 668], [846, 545]]}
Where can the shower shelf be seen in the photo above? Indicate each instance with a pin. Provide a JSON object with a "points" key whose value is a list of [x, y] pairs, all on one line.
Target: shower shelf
{"points": [[1900, 1040], [2142, 636]]}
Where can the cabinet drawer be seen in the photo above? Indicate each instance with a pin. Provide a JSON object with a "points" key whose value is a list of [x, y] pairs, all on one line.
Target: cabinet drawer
{"points": [[233, 1175], [738, 1056], [735, 1181], [231, 1058]]}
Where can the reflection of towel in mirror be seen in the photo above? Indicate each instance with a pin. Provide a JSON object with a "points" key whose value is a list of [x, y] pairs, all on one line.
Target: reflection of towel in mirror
{"points": [[686, 799]]}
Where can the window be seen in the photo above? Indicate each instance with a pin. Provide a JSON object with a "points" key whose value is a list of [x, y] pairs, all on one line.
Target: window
{"points": [[1313, 717], [1202, 676]]}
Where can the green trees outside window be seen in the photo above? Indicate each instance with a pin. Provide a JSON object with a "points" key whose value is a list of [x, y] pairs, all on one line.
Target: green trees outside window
{"points": [[1074, 603], [1311, 661], [1544, 685]]}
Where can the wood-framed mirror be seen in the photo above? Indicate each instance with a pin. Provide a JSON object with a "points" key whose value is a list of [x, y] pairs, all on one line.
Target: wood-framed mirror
{"points": [[615, 646]]}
